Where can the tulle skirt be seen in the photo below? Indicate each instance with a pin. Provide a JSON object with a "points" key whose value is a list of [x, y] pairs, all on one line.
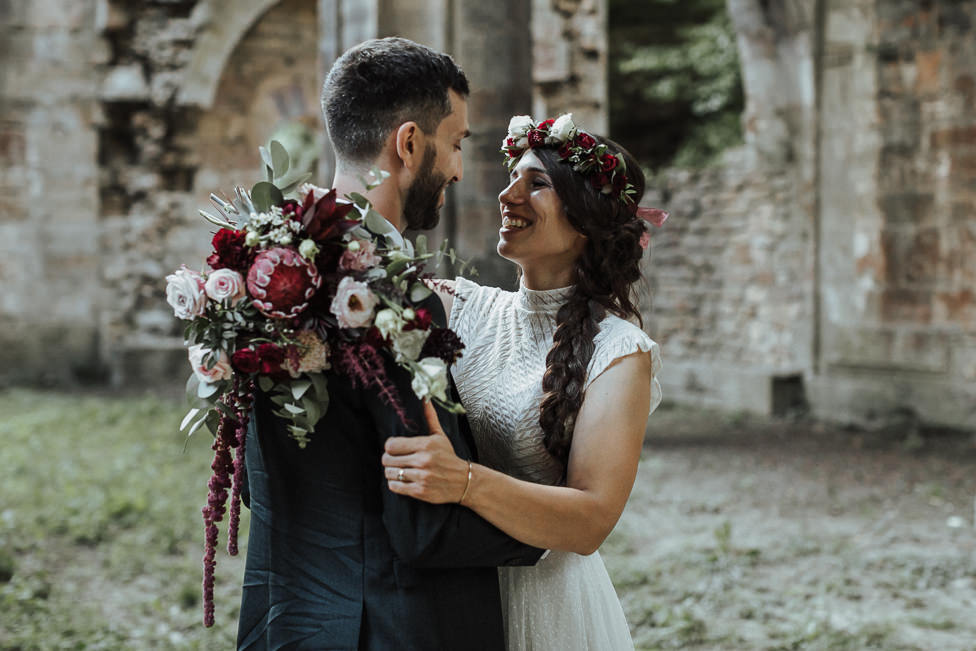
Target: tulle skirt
{"points": [[566, 602]]}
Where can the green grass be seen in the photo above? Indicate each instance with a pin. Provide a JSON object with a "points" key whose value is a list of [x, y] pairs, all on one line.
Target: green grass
{"points": [[100, 529]]}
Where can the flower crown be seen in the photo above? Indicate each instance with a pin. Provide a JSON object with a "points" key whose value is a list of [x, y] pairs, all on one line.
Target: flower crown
{"points": [[607, 172]]}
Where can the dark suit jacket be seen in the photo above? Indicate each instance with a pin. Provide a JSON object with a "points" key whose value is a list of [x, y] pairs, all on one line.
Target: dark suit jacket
{"points": [[337, 561]]}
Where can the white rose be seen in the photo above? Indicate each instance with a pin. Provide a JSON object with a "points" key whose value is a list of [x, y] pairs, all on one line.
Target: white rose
{"points": [[308, 249], [562, 129], [519, 125], [353, 303], [185, 293], [225, 284], [387, 322], [430, 380], [219, 371], [407, 345]]}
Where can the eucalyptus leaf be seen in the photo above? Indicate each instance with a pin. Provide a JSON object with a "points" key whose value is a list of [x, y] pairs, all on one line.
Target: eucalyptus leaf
{"points": [[312, 409], [266, 156], [291, 186], [419, 292], [321, 386], [279, 159], [196, 426], [376, 222], [420, 245], [207, 389], [265, 383], [293, 409], [212, 421], [189, 417], [264, 195], [358, 199], [299, 387], [192, 384]]}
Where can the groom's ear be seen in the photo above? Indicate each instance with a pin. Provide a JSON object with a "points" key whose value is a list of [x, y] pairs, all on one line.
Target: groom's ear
{"points": [[410, 145]]}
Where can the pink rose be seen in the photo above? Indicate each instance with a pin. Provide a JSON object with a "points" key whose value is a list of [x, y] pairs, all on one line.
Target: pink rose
{"points": [[225, 284], [219, 371], [185, 293], [353, 304], [360, 256]]}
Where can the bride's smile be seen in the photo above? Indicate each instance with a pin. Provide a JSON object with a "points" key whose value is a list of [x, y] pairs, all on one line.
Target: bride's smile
{"points": [[535, 232]]}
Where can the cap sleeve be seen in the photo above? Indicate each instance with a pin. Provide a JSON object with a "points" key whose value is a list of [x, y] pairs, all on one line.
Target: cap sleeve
{"points": [[618, 338], [466, 307]]}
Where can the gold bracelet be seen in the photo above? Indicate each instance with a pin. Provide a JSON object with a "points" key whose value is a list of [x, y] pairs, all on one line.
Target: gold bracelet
{"points": [[466, 485]]}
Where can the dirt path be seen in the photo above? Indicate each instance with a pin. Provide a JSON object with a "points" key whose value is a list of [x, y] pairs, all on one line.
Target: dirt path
{"points": [[744, 533]]}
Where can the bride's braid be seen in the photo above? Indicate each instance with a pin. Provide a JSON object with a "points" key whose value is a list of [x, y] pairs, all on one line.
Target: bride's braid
{"points": [[604, 276]]}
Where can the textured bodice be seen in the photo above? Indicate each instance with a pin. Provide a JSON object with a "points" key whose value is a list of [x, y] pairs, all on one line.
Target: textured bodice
{"points": [[507, 336]]}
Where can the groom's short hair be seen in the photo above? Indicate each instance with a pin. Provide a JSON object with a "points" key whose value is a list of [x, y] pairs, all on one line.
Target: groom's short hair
{"points": [[378, 85]]}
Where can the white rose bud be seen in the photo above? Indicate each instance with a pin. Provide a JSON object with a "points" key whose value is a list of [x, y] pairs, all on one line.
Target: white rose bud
{"points": [[562, 129], [520, 124], [252, 238], [308, 249], [353, 246], [408, 344], [409, 314], [430, 380], [387, 322]]}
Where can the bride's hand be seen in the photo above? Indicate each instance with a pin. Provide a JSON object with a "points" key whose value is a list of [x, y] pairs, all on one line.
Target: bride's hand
{"points": [[425, 467]]}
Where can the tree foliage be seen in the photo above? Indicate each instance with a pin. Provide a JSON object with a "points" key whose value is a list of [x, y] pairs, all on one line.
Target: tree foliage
{"points": [[675, 83]]}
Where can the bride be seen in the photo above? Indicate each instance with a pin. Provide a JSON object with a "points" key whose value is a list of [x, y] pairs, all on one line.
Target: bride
{"points": [[557, 383]]}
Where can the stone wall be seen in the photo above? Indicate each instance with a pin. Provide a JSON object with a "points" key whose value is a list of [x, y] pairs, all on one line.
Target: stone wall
{"points": [[49, 262], [117, 119], [833, 256]]}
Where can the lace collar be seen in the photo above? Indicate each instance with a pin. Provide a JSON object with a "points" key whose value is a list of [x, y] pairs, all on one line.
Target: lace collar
{"points": [[546, 301]]}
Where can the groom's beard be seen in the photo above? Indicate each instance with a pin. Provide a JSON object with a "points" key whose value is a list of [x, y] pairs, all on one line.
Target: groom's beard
{"points": [[420, 208]]}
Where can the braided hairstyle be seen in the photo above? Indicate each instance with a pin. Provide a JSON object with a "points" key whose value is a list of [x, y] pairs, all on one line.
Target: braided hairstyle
{"points": [[604, 276]]}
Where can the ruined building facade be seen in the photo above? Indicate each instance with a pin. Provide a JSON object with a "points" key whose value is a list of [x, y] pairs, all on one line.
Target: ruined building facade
{"points": [[830, 261]]}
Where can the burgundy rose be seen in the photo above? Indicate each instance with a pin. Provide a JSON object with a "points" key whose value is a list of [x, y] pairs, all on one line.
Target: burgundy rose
{"points": [[421, 321], [442, 343], [565, 151], [245, 360], [325, 218], [282, 282], [536, 138], [271, 357], [229, 251], [545, 124], [608, 163], [619, 183], [599, 181], [585, 140]]}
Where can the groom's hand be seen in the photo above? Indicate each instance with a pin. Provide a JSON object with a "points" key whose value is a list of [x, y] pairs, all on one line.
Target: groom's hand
{"points": [[425, 467]]}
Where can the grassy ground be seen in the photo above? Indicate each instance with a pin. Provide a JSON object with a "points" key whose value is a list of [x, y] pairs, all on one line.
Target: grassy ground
{"points": [[741, 533]]}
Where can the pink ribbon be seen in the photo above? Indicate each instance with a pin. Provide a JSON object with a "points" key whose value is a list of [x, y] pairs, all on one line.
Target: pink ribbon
{"points": [[653, 215]]}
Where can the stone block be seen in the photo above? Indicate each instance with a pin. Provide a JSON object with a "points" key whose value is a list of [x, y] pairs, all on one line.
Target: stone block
{"points": [[125, 83]]}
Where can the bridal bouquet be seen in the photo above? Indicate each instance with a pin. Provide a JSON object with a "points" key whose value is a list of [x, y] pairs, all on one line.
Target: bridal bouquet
{"points": [[298, 284]]}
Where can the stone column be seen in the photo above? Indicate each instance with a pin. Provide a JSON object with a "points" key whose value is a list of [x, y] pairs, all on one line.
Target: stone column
{"points": [[492, 42]]}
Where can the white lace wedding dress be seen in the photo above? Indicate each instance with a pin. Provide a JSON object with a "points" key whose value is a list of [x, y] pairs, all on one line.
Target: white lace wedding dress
{"points": [[566, 602]]}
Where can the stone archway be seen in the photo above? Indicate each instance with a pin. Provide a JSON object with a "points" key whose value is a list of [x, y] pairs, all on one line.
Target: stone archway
{"points": [[269, 79], [228, 21]]}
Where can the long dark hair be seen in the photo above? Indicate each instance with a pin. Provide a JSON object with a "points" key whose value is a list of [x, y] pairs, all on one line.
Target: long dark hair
{"points": [[604, 276]]}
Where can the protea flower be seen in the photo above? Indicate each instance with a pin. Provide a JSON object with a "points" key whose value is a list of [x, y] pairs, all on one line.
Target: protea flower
{"points": [[281, 282]]}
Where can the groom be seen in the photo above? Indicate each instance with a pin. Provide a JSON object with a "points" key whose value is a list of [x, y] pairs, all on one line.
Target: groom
{"points": [[335, 560]]}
